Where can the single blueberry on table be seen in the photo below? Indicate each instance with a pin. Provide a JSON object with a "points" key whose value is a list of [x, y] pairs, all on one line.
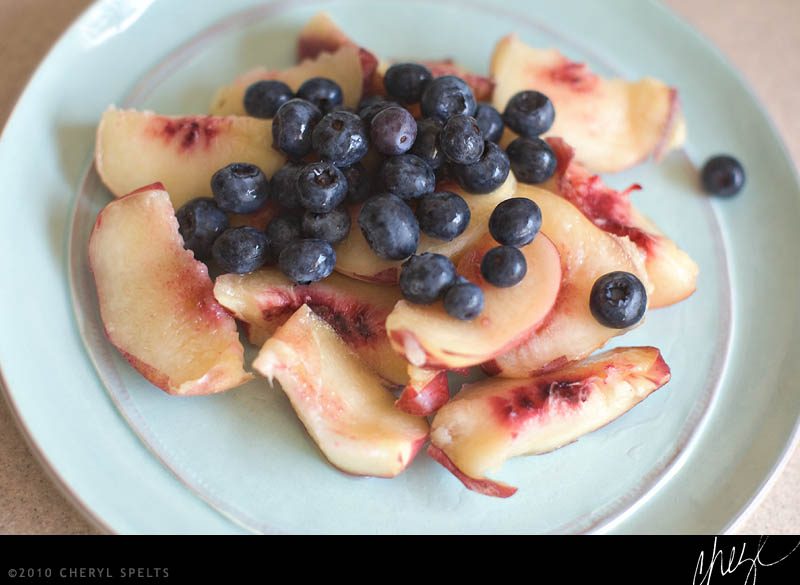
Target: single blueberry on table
{"points": [[332, 227], [618, 300], [389, 226], [240, 188], [425, 278], [322, 187], [461, 140], [393, 130], [292, 127], [283, 186], [529, 113], [503, 266], [532, 160], [515, 222], [200, 222], [447, 96], [281, 231], [443, 215], [490, 122], [322, 92], [263, 98], [464, 300], [359, 183], [426, 146], [307, 261], [405, 82], [341, 138], [487, 174], [407, 176], [722, 175], [241, 250]]}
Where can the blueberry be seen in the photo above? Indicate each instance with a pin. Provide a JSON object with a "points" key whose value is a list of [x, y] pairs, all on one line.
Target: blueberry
{"points": [[487, 174], [406, 81], [529, 113], [241, 250], [463, 300], [503, 266], [389, 226], [490, 122], [322, 187], [322, 92], [532, 160], [461, 140], [281, 231], [292, 127], [447, 96], [240, 188], [263, 98], [425, 278], [407, 176], [359, 183], [332, 227], [723, 175], [283, 186], [443, 215], [618, 300], [306, 261], [393, 130], [515, 222], [200, 221], [426, 146], [370, 106], [341, 138]]}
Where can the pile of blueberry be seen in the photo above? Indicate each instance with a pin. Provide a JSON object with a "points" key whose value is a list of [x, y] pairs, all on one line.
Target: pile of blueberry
{"points": [[324, 142]]}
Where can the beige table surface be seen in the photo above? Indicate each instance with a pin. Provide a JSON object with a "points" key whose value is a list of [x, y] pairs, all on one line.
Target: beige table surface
{"points": [[761, 37]]}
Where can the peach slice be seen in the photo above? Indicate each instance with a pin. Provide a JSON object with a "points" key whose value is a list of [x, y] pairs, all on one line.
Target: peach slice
{"points": [[356, 259], [570, 332], [428, 337], [258, 219], [322, 35], [342, 66], [341, 402], [613, 124], [672, 272], [357, 311], [493, 420], [427, 391], [138, 148], [156, 300]]}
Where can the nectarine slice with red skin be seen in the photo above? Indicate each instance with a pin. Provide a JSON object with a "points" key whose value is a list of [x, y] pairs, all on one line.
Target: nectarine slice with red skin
{"points": [[672, 272], [356, 259], [157, 302], [613, 124], [342, 403], [569, 331], [427, 390], [428, 337], [357, 311], [136, 148], [491, 421]]}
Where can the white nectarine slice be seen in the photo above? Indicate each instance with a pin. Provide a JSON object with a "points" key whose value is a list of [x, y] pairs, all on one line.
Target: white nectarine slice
{"points": [[356, 310], [342, 66], [612, 123], [341, 402], [671, 271], [429, 337], [426, 391], [493, 420], [157, 301], [570, 332], [356, 259], [138, 148]]}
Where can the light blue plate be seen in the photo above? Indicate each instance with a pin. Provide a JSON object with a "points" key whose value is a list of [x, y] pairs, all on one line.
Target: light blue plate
{"points": [[691, 458]]}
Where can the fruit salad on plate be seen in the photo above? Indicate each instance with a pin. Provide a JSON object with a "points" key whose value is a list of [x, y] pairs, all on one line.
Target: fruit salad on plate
{"points": [[372, 226]]}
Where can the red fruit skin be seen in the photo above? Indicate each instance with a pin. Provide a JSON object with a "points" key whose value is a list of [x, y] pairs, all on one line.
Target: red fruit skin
{"points": [[426, 400], [482, 86], [309, 46], [487, 487]]}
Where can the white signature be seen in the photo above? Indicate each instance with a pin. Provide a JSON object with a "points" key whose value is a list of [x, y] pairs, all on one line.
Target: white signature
{"points": [[753, 562]]}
